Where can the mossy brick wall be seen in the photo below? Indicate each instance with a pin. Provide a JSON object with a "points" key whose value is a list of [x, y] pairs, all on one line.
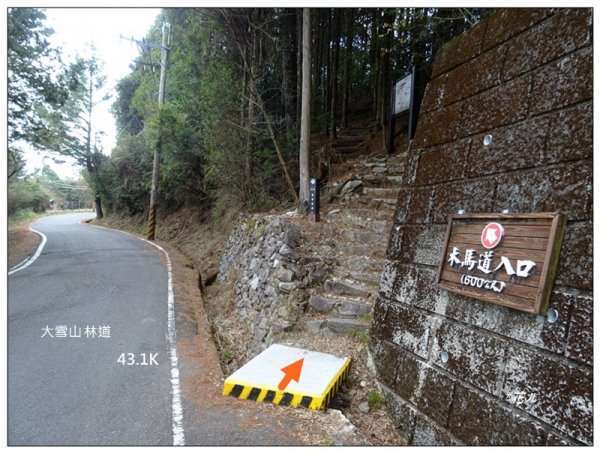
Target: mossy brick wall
{"points": [[525, 77]]}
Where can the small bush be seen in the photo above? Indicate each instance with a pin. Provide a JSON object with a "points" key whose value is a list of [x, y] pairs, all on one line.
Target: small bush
{"points": [[375, 400], [226, 355], [361, 336]]}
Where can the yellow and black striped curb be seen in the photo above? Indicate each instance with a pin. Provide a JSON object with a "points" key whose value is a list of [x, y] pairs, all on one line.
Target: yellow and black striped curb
{"points": [[269, 394]]}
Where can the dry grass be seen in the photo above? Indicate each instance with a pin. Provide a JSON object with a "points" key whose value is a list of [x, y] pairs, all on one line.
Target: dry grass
{"points": [[22, 242]]}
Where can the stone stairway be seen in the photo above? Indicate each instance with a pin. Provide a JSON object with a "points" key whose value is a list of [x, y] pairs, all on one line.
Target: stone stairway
{"points": [[360, 220], [351, 140]]}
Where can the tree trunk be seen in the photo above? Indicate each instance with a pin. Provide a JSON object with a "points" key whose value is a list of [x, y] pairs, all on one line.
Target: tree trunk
{"points": [[347, 67], [248, 170], [388, 19], [305, 119], [374, 58], [326, 73], [298, 64], [98, 205], [288, 83], [90, 107], [334, 74], [419, 43]]}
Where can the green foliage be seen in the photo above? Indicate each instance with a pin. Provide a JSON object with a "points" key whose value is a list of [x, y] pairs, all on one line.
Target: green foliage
{"points": [[182, 160], [366, 317], [131, 165], [360, 336], [69, 130], [232, 72], [129, 120], [226, 355], [29, 81], [66, 194], [22, 217], [375, 400], [229, 125], [44, 190], [32, 86], [222, 138], [27, 194]]}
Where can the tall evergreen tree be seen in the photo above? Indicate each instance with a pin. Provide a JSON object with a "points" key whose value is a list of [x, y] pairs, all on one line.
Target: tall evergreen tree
{"points": [[35, 82], [70, 131]]}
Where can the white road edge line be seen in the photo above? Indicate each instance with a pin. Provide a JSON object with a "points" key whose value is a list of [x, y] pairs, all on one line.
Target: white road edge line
{"points": [[176, 406], [30, 261]]}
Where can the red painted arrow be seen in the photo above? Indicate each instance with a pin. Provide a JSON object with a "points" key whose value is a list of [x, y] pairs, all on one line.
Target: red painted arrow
{"points": [[292, 371]]}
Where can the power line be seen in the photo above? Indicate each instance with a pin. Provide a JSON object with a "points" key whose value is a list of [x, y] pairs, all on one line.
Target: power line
{"points": [[64, 186]]}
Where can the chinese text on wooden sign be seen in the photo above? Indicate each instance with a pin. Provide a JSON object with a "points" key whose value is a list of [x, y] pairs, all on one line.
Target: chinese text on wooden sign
{"points": [[505, 259]]}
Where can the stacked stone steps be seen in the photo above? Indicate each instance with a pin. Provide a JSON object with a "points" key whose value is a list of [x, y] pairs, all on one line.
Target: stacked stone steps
{"points": [[363, 251], [361, 243], [346, 303], [339, 325], [348, 297], [383, 180], [368, 223], [362, 228], [381, 192], [377, 173], [370, 202], [339, 306], [358, 129], [360, 236], [359, 265], [348, 144], [349, 288], [347, 149], [366, 278], [349, 140], [381, 166], [367, 215]]}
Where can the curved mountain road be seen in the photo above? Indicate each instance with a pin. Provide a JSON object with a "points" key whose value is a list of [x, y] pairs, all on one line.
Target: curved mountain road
{"points": [[91, 296], [90, 343]]}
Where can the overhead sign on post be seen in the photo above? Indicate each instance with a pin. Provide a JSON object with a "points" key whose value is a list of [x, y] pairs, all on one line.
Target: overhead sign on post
{"points": [[504, 259]]}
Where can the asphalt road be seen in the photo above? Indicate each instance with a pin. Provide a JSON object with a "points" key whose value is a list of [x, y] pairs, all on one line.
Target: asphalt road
{"points": [[110, 291], [91, 296]]}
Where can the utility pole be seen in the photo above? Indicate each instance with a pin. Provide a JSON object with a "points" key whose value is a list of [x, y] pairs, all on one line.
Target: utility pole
{"points": [[164, 58]]}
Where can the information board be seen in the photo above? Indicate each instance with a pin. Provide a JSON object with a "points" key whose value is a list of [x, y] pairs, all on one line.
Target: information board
{"points": [[504, 259], [405, 100], [403, 94]]}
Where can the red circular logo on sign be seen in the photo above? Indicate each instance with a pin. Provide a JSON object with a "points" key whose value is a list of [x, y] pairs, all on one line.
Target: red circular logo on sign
{"points": [[491, 235]]}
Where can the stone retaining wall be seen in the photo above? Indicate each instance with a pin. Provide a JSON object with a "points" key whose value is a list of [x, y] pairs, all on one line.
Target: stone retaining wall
{"points": [[523, 76], [262, 260]]}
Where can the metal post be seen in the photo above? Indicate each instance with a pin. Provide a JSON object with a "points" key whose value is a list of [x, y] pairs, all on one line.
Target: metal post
{"points": [[164, 56], [392, 120]]}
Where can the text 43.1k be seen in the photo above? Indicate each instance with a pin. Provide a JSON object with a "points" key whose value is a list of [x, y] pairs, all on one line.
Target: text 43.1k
{"points": [[129, 358]]}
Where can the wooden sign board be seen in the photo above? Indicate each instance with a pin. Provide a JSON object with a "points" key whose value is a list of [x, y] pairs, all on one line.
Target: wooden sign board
{"points": [[504, 259]]}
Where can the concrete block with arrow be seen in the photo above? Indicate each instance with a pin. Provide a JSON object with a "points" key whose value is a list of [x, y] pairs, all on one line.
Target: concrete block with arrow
{"points": [[289, 377]]}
